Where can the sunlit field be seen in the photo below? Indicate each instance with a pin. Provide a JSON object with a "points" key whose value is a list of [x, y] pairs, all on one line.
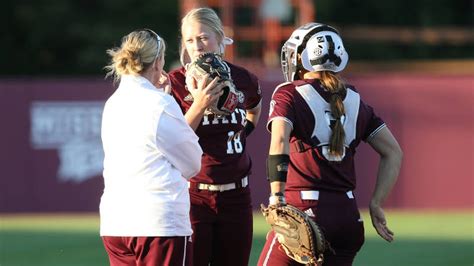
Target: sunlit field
{"points": [[422, 238]]}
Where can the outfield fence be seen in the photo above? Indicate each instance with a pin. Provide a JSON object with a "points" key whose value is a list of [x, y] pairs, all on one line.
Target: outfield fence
{"points": [[51, 153]]}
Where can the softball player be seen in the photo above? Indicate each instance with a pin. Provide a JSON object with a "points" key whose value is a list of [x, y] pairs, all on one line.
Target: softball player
{"points": [[150, 151], [316, 123], [221, 211]]}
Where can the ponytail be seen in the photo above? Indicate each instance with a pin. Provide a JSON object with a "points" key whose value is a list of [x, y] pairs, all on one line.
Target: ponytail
{"points": [[336, 87], [138, 51]]}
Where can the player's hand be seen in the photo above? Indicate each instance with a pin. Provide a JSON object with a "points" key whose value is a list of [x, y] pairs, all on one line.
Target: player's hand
{"points": [[204, 94], [277, 201], [164, 82], [380, 224]]}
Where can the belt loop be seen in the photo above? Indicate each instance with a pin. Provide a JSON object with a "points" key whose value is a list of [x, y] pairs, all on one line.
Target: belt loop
{"points": [[309, 195], [350, 194], [239, 184], [245, 181]]}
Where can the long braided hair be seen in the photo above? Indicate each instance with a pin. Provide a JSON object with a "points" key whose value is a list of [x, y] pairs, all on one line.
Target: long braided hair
{"points": [[335, 85]]}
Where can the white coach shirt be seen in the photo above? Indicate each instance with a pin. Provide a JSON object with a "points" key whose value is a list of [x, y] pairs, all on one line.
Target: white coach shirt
{"points": [[150, 152]]}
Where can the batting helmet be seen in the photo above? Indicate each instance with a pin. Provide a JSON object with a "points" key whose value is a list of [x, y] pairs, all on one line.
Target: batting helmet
{"points": [[314, 47]]}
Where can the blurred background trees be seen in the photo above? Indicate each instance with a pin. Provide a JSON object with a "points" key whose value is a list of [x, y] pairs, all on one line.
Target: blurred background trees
{"points": [[69, 38]]}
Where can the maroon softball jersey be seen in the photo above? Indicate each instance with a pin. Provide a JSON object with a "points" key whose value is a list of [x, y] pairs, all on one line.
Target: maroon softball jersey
{"points": [[222, 222], [305, 105], [224, 161], [319, 183]]}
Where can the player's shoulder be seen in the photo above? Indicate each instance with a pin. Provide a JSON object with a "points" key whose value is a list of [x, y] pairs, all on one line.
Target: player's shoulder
{"points": [[351, 87], [178, 81], [284, 86], [237, 68], [179, 72], [287, 88], [239, 72], [177, 77]]}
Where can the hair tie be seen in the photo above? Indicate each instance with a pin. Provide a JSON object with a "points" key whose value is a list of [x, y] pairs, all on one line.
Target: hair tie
{"points": [[227, 41], [341, 93]]}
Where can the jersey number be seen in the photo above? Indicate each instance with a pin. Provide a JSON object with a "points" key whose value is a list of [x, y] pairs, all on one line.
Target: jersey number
{"points": [[233, 143]]}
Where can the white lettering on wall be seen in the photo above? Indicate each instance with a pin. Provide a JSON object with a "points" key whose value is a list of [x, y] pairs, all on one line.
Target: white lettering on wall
{"points": [[73, 128]]}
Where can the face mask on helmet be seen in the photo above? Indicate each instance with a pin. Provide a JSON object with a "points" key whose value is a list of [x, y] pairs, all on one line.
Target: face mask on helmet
{"points": [[320, 48]]}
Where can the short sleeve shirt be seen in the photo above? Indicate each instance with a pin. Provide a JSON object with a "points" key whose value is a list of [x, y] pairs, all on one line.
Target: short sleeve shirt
{"points": [[304, 104], [225, 160]]}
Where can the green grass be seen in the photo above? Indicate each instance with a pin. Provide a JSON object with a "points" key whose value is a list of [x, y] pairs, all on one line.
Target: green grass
{"points": [[422, 238]]}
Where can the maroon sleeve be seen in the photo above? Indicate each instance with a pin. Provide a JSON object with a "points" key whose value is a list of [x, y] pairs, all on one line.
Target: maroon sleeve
{"points": [[281, 105], [248, 84], [254, 95], [373, 122], [178, 88]]}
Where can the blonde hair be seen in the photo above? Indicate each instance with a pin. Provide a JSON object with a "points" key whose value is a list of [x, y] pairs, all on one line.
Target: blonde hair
{"points": [[205, 16], [138, 51], [335, 85]]}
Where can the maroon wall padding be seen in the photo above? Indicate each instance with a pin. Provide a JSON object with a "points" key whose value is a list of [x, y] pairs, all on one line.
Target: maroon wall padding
{"points": [[432, 117], [28, 181]]}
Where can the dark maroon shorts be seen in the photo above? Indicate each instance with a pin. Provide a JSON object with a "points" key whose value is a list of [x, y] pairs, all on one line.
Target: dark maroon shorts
{"points": [[339, 218], [148, 251], [223, 226]]}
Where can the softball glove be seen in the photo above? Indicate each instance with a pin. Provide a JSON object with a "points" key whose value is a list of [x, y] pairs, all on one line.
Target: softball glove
{"points": [[213, 64], [299, 236]]}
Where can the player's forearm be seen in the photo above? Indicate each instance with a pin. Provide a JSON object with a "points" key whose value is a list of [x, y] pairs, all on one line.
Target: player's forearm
{"points": [[278, 145], [389, 168], [278, 161], [277, 186], [253, 115], [194, 116]]}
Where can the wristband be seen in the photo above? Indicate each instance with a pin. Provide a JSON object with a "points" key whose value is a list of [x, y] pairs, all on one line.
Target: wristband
{"points": [[273, 200], [248, 127], [277, 167], [278, 194]]}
